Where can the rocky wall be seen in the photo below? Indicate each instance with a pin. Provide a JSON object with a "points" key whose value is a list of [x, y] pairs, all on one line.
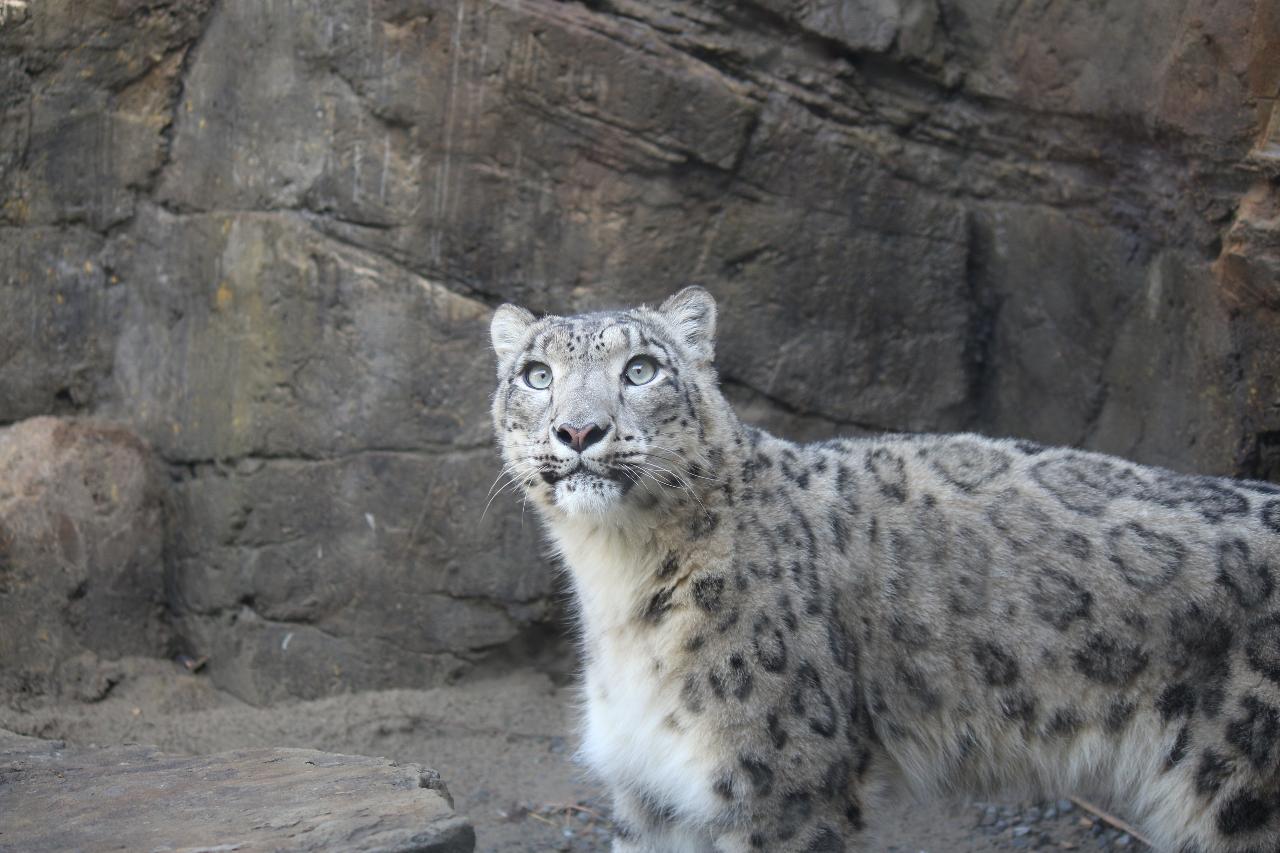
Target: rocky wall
{"points": [[267, 234]]}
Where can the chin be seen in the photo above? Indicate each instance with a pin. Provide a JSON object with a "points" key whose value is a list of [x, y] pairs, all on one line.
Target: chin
{"points": [[585, 493]]}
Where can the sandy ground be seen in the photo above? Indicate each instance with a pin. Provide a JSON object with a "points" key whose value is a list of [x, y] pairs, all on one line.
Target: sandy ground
{"points": [[505, 748]]}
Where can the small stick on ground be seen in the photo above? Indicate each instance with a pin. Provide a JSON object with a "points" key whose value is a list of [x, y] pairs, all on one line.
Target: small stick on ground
{"points": [[575, 807], [1111, 819]]}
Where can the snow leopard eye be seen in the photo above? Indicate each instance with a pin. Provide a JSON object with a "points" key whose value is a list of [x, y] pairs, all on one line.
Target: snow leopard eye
{"points": [[537, 375], [640, 370]]}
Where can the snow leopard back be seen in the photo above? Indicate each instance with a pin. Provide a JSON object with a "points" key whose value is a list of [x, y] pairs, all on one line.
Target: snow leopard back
{"points": [[1069, 620]]}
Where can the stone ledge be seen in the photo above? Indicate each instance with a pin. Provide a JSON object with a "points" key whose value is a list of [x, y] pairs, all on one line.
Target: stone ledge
{"points": [[56, 797]]}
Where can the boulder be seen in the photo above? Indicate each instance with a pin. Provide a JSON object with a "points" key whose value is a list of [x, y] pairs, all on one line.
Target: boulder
{"points": [[81, 555], [57, 797]]}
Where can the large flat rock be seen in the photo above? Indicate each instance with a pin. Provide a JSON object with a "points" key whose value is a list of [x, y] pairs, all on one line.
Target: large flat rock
{"points": [[56, 798]]}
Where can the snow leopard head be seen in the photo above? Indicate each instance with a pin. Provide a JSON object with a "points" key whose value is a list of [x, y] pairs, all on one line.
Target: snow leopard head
{"points": [[599, 412]]}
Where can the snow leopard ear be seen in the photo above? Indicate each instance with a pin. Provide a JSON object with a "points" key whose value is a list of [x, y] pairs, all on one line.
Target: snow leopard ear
{"points": [[507, 329], [693, 312]]}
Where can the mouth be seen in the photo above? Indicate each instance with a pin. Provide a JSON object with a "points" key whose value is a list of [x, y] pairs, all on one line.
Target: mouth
{"points": [[615, 475]]}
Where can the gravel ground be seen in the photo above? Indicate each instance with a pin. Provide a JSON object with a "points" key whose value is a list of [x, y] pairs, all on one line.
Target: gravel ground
{"points": [[504, 746]]}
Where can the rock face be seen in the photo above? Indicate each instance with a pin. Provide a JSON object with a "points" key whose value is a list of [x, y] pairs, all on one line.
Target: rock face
{"points": [[136, 798], [81, 548], [268, 237]]}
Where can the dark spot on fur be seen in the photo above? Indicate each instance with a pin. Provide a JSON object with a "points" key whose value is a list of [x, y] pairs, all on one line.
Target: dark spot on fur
{"points": [[890, 473], [1245, 812], [669, 566], [657, 811], [741, 676], [839, 530], [732, 678], [825, 840], [768, 643], [694, 643], [723, 786], [967, 464], [1147, 560], [1256, 733], [1020, 519], [708, 591], [1077, 545], [703, 524], [841, 646], [777, 734], [847, 488], [909, 632], [1270, 515], [796, 808], [1250, 581], [1263, 649], [1119, 713], [970, 561], [1212, 498], [835, 781], [1177, 700], [1179, 749], [1201, 642], [1108, 660], [1064, 722], [757, 841], [1058, 598], [656, 610], [759, 774], [998, 667], [1082, 484], [1020, 707], [810, 700], [1213, 770], [918, 686]]}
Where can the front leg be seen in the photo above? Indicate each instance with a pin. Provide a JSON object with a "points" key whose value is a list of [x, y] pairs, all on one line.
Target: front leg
{"points": [[826, 829], [640, 826], [826, 817]]}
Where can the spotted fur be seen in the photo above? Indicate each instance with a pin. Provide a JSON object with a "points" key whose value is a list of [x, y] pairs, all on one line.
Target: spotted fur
{"points": [[774, 633]]}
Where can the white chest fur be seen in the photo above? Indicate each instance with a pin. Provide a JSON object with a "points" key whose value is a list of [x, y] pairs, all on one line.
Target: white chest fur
{"points": [[628, 738], [629, 741]]}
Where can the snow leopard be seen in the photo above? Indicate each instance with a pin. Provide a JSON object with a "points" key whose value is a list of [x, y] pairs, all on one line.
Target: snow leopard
{"points": [[777, 636]]}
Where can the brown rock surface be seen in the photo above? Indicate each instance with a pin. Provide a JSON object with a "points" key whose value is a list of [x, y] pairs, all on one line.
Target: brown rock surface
{"points": [[57, 798], [81, 568]]}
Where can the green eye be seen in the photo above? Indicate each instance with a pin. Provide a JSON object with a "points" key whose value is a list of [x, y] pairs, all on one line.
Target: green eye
{"points": [[537, 375], [640, 370]]}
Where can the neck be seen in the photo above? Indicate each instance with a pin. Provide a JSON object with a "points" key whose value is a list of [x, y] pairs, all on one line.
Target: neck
{"points": [[613, 561]]}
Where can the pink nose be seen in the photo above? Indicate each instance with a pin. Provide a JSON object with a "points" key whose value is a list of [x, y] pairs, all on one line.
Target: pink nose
{"points": [[580, 438]]}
